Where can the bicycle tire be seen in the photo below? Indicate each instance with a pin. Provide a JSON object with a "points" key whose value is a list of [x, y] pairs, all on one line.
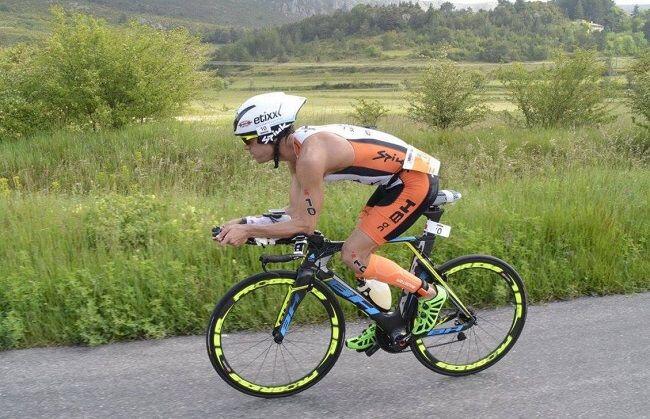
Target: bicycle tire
{"points": [[215, 335], [472, 266]]}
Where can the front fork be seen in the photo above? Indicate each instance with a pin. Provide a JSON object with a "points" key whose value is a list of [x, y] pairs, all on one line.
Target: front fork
{"points": [[291, 302]]}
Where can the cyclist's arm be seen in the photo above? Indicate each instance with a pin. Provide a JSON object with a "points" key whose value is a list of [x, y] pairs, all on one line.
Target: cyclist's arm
{"points": [[307, 201], [294, 192]]}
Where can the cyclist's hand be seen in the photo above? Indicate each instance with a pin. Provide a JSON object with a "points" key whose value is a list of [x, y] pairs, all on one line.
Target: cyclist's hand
{"points": [[234, 221], [234, 234]]}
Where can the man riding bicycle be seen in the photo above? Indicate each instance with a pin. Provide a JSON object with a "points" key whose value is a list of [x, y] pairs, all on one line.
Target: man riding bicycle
{"points": [[406, 178]]}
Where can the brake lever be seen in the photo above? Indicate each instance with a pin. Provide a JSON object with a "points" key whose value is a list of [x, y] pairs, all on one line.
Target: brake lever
{"points": [[266, 259]]}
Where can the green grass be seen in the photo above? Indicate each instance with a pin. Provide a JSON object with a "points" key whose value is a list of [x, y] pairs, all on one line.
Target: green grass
{"points": [[106, 235]]}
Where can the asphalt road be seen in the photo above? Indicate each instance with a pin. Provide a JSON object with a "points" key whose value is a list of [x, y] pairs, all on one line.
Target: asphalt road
{"points": [[587, 358]]}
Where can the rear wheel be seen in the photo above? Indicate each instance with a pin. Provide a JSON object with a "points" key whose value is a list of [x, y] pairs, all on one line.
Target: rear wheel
{"points": [[243, 351], [494, 293]]}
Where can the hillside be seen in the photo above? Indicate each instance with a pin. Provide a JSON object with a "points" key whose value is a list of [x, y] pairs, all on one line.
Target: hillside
{"points": [[369, 28], [22, 20], [520, 31]]}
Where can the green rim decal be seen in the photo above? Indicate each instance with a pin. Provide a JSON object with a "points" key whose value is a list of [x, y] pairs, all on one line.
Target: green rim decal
{"points": [[474, 265], [478, 363], [262, 284], [278, 389]]}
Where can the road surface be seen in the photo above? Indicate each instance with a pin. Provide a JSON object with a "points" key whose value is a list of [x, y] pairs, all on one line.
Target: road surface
{"points": [[588, 357]]}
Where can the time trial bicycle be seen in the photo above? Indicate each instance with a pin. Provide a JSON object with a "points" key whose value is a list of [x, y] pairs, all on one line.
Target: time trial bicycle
{"points": [[279, 332]]}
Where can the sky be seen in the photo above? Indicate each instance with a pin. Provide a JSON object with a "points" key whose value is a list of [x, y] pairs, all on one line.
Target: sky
{"points": [[626, 2]]}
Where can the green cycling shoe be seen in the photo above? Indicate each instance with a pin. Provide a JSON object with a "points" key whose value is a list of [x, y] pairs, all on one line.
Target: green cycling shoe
{"points": [[364, 341], [425, 321], [428, 312]]}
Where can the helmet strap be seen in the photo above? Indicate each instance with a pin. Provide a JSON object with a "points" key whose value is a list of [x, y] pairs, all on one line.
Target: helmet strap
{"points": [[276, 153]]}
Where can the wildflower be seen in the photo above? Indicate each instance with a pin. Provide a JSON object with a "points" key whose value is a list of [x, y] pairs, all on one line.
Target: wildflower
{"points": [[4, 186], [56, 186]]}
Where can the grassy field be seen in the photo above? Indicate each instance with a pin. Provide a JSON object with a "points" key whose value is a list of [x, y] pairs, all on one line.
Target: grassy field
{"points": [[106, 235], [332, 87]]}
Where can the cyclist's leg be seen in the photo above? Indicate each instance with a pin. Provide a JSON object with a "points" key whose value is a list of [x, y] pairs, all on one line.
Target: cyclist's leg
{"points": [[391, 210], [357, 253]]}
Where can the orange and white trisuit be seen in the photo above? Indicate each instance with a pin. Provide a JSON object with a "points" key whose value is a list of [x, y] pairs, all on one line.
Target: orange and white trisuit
{"points": [[406, 178]]}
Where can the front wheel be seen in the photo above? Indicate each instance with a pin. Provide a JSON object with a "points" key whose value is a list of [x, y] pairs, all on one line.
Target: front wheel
{"points": [[494, 294], [242, 348]]}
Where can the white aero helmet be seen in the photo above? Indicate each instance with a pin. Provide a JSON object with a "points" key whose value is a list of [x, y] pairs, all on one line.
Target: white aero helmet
{"points": [[266, 116]]}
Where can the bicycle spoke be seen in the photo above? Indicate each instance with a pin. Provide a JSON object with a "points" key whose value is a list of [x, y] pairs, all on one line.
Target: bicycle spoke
{"points": [[487, 333], [449, 348], [256, 358], [303, 342], [289, 352], [262, 364], [460, 351], [285, 363], [241, 342], [495, 326], [275, 359], [478, 350], [240, 354], [478, 338], [299, 347], [441, 344]]}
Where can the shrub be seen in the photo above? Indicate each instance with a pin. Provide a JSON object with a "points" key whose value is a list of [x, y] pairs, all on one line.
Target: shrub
{"points": [[368, 112], [90, 75], [570, 93], [447, 96], [639, 82]]}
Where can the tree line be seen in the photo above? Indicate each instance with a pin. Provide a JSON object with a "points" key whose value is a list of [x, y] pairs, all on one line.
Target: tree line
{"points": [[510, 32]]}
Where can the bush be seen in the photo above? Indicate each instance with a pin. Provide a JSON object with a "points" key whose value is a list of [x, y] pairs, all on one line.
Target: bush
{"points": [[447, 96], [570, 93], [639, 82], [368, 112], [90, 75]]}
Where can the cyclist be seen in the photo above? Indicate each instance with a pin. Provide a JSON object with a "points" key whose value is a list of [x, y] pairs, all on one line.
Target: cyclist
{"points": [[406, 179]]}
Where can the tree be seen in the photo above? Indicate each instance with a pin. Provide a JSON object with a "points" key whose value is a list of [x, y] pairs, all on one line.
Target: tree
{"points": [[367, 112], [88, 74], [639, 93], [579, 11], [570, 93], [447, 96]]}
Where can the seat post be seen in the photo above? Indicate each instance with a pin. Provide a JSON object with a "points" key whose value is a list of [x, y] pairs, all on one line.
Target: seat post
{"points": [[425, 246]]}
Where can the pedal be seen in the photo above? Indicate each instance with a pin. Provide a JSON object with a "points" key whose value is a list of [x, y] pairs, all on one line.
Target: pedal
{"points": [[374, 348]]}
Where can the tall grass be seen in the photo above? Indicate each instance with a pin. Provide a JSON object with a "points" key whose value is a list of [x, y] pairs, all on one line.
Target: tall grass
{"points": [[106, 235], [207, 159]]}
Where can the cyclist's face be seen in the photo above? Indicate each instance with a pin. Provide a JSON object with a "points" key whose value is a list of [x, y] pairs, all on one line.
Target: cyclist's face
{"points": [[260, 152]]}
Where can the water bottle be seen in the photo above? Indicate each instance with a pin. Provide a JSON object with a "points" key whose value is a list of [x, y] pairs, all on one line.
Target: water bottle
{"points": [[376, 291]]}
